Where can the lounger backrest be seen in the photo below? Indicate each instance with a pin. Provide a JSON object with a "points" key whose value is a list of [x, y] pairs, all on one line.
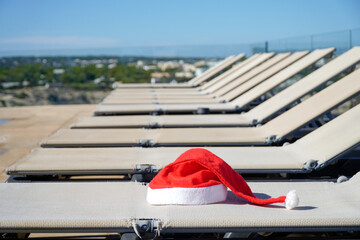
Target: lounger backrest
{"points": [[235, 89], [281, 77], [230, 71], [314, 106], [251, 74], [211, 72], [333, 138], [306, 85], [207, 71], [259, 60]]}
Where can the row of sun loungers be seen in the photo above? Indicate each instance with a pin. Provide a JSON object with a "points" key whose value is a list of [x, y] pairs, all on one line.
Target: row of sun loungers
{"points": [[210, 73], [237, 103], [255, 114], [275, 130]]}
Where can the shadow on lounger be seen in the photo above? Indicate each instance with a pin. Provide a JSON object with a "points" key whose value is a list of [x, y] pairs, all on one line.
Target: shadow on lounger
{"points": [[234, 199]]}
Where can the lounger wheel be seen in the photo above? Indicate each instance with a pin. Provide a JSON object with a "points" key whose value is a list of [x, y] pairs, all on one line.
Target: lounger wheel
{"points": [[341, 179], [137, 178], [154, 125], [129, 236], [203, 110], [271, 139], [239, 109], [158, 111], [256, 123], [310, 165]]}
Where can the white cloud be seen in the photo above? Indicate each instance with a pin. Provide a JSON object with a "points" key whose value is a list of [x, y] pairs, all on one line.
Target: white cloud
{"points": [[61, 42]]}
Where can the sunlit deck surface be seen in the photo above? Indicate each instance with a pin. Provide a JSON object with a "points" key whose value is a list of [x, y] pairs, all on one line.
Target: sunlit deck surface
{"points": [[27, 126]]}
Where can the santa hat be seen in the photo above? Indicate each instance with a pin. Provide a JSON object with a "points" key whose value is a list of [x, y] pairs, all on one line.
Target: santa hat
{"points": [[200, 177]]}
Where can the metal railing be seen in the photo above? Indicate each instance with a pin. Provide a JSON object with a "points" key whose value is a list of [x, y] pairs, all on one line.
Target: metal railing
{"points": [[341, 40]]}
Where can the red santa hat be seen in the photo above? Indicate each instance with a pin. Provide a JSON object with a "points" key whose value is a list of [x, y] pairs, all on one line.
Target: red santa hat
{"points": [[200, 177]]}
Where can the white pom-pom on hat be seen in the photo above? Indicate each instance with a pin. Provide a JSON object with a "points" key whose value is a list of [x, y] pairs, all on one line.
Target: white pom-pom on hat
{"points": [[292, 200]]}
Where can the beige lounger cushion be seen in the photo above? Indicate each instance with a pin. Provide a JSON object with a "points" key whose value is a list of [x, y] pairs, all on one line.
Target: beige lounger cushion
{"points": [[164, 121], [278, 78], [153, 85], [229, 72], [234, 89], [211, 72], [134, 137], [151, 96], [100, 206], [248, 67], [47, 161], [131, 109], [116, 101], [310, 81]]}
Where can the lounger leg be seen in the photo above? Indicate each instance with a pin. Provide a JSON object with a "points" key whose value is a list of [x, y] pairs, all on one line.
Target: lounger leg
{"points": [[14, 235], [137, 178], [236, 235], [129, 236]]}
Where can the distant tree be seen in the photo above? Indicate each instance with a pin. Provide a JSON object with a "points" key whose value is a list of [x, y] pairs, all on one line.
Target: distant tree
{"points": [[129, 74]]}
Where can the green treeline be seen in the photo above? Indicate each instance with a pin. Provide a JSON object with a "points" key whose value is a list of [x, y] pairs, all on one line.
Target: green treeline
{"points": [[90, 77]]}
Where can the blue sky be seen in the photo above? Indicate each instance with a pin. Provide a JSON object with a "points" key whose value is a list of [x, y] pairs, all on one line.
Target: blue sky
{"points": [[76, 24]]}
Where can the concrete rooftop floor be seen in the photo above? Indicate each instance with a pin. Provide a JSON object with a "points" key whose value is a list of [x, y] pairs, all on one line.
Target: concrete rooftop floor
{"points": [[27, 126]]}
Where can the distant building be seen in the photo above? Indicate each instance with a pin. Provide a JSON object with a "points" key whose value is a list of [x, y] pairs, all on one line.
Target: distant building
{"points": [[186, 67], [140, 63], [184, 75], [149, 67], [200, 63], [199, 71], [111, 65], [59, 71], [168, 65], [99, 80], [157, 76], [160, 75], [10, 84], [211, 63]]}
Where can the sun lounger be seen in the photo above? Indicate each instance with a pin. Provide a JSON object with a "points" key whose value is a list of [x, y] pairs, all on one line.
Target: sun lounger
{"points": [[208, 74], [314, 151], [258, 115], [211, 95], [121, 207], [273, 132], [273, 81]]}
